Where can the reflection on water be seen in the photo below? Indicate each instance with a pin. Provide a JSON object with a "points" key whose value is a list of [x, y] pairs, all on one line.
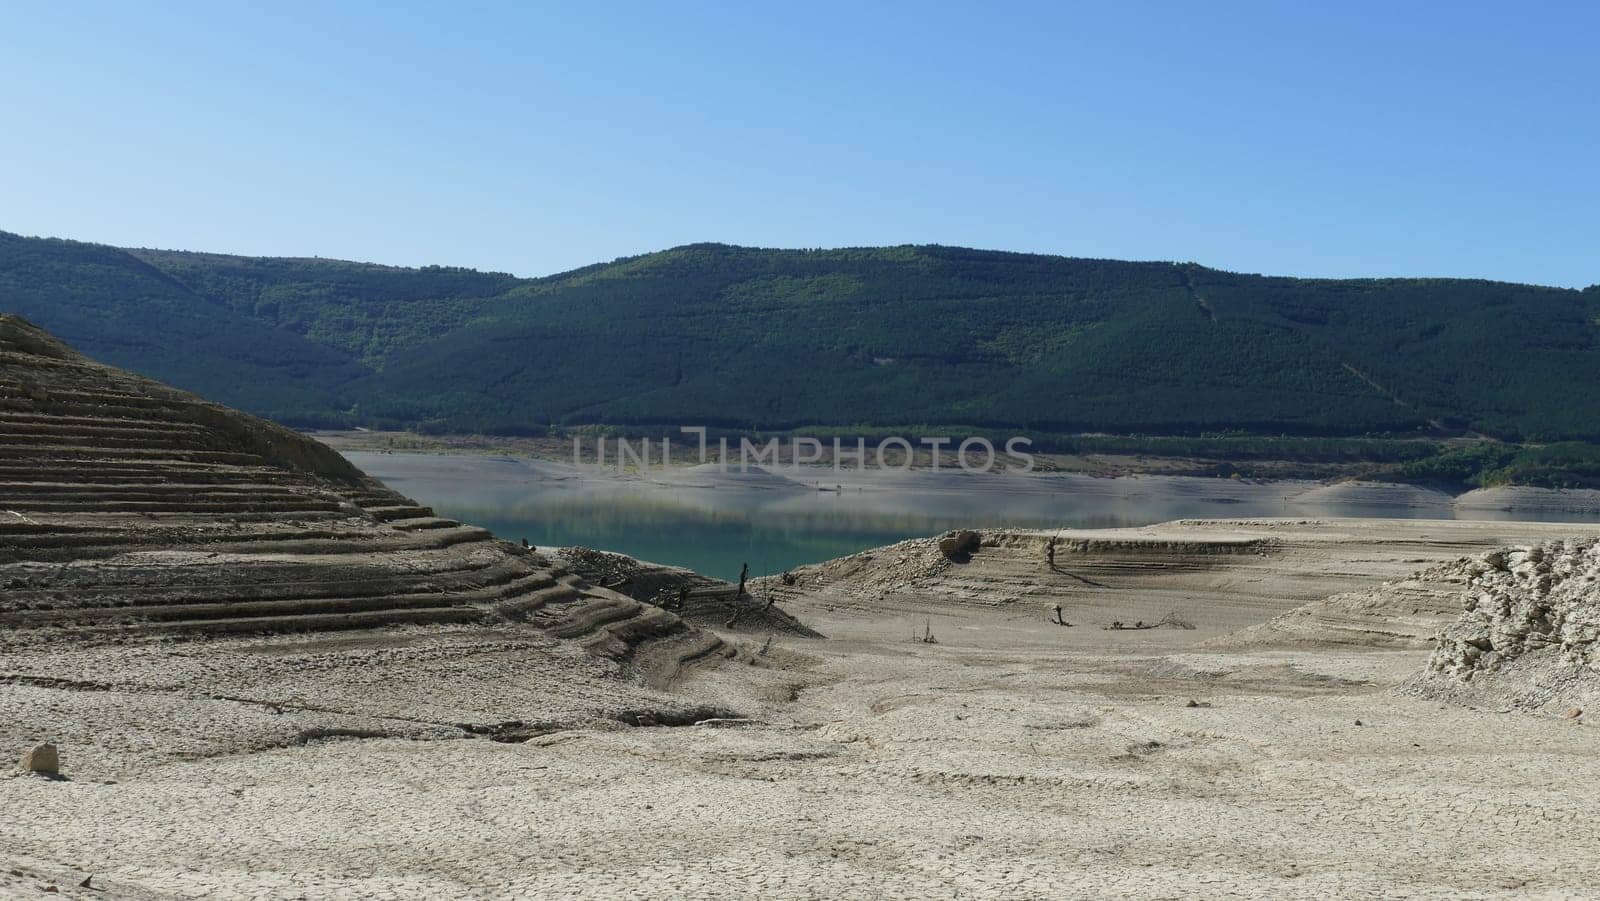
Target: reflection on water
{"points": [[714, 522], [714, 542]]}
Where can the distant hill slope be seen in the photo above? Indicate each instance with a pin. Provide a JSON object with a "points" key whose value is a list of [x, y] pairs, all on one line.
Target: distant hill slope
{"points": [[365, 310], [896, 336], [118, 309]]}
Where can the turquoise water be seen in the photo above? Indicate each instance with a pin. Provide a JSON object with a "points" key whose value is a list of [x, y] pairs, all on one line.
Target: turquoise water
{"points": [[714, 523], [715, 543]]}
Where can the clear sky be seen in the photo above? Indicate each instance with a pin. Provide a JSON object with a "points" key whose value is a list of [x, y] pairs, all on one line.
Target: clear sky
{"points": [[1290, 138]]}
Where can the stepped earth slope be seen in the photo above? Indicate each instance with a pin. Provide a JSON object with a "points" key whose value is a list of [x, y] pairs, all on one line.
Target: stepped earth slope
{"points": [[128, 508]]}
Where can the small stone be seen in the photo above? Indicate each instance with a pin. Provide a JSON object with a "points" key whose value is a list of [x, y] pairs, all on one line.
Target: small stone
{"points": [[42, 759], [1359, 723], [1192, 703], [1574, 712]]}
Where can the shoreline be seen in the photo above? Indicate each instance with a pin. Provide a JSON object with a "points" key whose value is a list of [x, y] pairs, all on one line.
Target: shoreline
{"points": [[486, 476], [1144, 458]]}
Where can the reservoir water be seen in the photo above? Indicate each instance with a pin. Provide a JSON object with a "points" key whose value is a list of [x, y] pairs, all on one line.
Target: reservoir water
{"points": [[714, 521]]}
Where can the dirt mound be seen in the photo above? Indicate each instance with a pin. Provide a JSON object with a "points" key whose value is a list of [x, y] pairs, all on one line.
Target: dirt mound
{"points": [[902, 565], [696, 598], [1014, 579], [1528, 635], [713, 475]]}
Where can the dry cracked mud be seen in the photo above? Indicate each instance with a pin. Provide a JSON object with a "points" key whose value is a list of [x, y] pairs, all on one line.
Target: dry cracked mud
{"points": [[270, 677]]}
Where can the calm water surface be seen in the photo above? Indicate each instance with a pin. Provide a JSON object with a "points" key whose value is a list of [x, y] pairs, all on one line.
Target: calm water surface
{"points": [[713, 523]]}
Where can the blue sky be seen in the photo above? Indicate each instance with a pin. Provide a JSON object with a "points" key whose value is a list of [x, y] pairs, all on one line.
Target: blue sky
{"points": [[1449, 139]]}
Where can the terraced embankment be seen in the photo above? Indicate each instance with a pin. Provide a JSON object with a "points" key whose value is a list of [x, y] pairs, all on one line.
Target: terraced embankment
{"points": [[130, 508]]}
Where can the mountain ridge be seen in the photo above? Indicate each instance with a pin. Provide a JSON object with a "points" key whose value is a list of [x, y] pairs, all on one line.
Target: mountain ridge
{"points": [[762, 338], [699, 245]]}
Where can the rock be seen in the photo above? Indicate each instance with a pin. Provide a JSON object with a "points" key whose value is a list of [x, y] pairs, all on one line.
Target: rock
{"points": [[1359, 723], [1192, 703], [963, 541], [1529, 632], [42, 759]]}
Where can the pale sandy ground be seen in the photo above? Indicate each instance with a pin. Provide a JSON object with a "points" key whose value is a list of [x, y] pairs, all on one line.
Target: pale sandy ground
{"points": [[1014, 758]]}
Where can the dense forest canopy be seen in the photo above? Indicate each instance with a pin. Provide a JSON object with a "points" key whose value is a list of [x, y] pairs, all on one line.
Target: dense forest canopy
{"points": [[858, 337]]}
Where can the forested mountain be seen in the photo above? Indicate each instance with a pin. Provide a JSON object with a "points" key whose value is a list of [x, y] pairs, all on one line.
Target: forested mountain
{"points": [[870, 337], [365, 310], [119, 310]]}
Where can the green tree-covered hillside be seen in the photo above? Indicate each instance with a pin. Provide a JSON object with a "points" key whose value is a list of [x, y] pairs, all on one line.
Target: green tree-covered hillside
{"points": [[752, 338]]}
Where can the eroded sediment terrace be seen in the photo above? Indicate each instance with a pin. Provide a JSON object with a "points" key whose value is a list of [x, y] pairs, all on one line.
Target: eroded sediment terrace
{"points": [[269, 676]]}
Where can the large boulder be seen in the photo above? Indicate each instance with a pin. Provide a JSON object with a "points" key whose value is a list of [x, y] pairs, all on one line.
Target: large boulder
{"points": [[959, 543], [42, 759]]}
